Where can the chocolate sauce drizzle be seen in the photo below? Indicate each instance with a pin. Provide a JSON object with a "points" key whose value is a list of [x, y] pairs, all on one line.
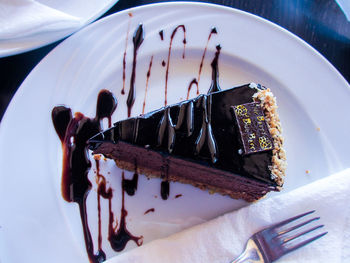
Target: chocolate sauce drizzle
{"points": [[137, 41], [119, 239], [106, 105], [161, 34], [147, 80], [124, 56], [61, 116], [215, 72], [196, 81], [149, 210], [105, 193], [164, 190], [130, 185], [74, 133], [213, 31], [193, 82], [169, 53]]}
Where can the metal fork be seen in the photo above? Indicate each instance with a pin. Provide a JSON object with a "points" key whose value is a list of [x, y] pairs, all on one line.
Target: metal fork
{"points": [[270, 243]]}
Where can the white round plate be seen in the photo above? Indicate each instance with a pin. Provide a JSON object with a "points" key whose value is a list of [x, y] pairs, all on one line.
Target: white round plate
{"points": [[37, 225], [86, 11]]}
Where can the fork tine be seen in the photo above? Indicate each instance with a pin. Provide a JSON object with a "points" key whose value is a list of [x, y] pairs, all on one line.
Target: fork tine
{"points": [[297, 226], [291, 219], [302, 233], [301, 244]]}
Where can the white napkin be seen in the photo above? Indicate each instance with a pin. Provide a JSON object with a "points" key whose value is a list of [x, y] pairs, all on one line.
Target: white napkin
{"points": [[223, 238], [21, 18]]}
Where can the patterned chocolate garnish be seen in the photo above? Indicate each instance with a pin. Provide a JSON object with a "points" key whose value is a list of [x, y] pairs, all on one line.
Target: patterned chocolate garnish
{"points": [[255, 135]]}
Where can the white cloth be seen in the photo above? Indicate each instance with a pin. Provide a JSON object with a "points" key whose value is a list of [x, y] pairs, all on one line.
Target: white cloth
{"points": [[20, 18], [223, 239]]}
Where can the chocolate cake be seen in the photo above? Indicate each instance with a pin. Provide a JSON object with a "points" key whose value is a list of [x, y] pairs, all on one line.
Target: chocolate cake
{"points": [[227, 141]]}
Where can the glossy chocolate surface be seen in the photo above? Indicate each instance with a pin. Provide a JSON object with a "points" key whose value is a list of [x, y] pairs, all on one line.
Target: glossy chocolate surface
{"points": [[201, 130]]}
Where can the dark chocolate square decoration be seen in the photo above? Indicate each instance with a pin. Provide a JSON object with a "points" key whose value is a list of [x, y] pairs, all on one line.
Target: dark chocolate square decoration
{"points": [[255, 135]]}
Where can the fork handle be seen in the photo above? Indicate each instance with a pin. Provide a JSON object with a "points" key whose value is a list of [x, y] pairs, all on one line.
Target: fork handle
{"points": [[251, 254]]}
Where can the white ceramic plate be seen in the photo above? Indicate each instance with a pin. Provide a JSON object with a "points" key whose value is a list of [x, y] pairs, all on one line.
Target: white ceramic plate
{"points": [[37, 225], [86, 11]]}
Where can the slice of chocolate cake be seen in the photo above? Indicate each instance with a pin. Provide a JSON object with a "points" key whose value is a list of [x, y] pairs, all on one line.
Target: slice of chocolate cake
{"points": [[228, 142]]}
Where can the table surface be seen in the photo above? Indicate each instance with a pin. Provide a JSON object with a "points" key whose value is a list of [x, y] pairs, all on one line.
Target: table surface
{"points": [[321, 23]]}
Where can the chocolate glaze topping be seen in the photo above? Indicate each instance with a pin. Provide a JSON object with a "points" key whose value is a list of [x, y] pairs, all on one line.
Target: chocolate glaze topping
{"points": [[137, 41], [202, 130], [166, 128], [206, 135]]}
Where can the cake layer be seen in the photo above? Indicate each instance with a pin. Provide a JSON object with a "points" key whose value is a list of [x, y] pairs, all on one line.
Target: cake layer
{"points": [[156, 164]]}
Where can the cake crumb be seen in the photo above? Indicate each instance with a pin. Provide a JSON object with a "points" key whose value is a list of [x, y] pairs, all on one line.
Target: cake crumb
{"points": [[307, 172], [318, 129], [97, 157], [155, 196]]}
